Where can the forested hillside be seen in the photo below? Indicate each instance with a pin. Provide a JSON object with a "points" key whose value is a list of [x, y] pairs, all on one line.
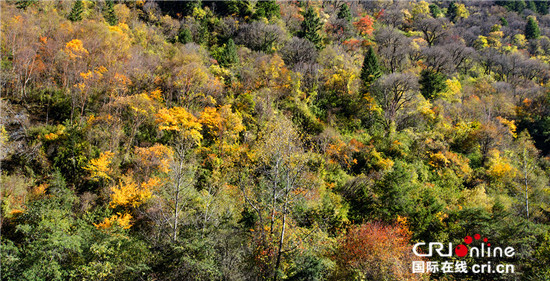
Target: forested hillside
{"points": [[271, 140]]}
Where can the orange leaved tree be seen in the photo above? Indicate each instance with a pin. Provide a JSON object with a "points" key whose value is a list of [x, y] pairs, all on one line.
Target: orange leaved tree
{"points": [[374, 251]]}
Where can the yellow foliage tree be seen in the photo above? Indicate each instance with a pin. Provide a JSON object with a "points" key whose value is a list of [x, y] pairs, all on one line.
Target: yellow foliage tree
{"points": [[180, 120], [453, 91], [462, 11], [273, 73], [420, 10], [99, 167], [500, 167], [511, 125], [156, 157], [130, 193], [75, 49], [138, 111], [222, 122], [118, 219]]}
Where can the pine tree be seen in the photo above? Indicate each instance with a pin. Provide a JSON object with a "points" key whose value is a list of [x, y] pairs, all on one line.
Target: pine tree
{"points": [[431, 83], [503, 21], [513, 5], [542, 7], [229, 54], [267, 9], [518, 6], [237, 8], [451, 11], [23, 4], [310, 27], [531, 6], [370, 71], [76, 12], [110, 15], [344, 12], [532, 30], [185, 36]]}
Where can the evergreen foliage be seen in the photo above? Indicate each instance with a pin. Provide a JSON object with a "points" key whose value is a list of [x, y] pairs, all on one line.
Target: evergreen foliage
{"points": [[109, 12], [370, 70], [311, 25], [532, 30], [185, 36], [76, 12], [229, 55], [452, 11], [268, 9], [344, 12], [431, 83]]}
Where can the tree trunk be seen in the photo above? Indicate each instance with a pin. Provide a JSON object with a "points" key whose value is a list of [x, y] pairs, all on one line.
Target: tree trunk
{"points": [[281, 241]]}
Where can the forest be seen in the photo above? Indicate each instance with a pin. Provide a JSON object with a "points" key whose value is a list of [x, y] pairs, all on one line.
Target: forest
{"points": [[272, 140]]}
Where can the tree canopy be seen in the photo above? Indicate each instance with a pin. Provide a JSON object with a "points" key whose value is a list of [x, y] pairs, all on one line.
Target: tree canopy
{"points": [[272, 140]]}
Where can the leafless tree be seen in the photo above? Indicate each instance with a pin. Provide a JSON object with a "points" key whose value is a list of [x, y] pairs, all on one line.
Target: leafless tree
{"points": [[459, 54], [393, 47], [438, 59], [393, 92], [259, 36], [432, 29], [394, 16], [298, 50]]}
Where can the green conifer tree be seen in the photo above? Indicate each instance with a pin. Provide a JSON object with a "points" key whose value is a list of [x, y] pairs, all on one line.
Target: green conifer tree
{"points": [[532, 30], [76, 12], [110, 15], [451, 11], [229, 54], [518, 6], [310, 27], [431, 83], [542, 7], [185, 36], [370, 71], [344, 12], [23, 4], [268, 9], [503, 21], [531, 6]]}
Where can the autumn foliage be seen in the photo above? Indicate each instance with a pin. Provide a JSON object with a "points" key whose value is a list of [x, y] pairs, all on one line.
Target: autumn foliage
{"points": [[376, 251], [270, 140], [364, 25], [129, 193]]}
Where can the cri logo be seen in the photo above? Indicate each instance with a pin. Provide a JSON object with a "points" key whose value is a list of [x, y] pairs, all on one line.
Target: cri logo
{"points": [[463, 250]]}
